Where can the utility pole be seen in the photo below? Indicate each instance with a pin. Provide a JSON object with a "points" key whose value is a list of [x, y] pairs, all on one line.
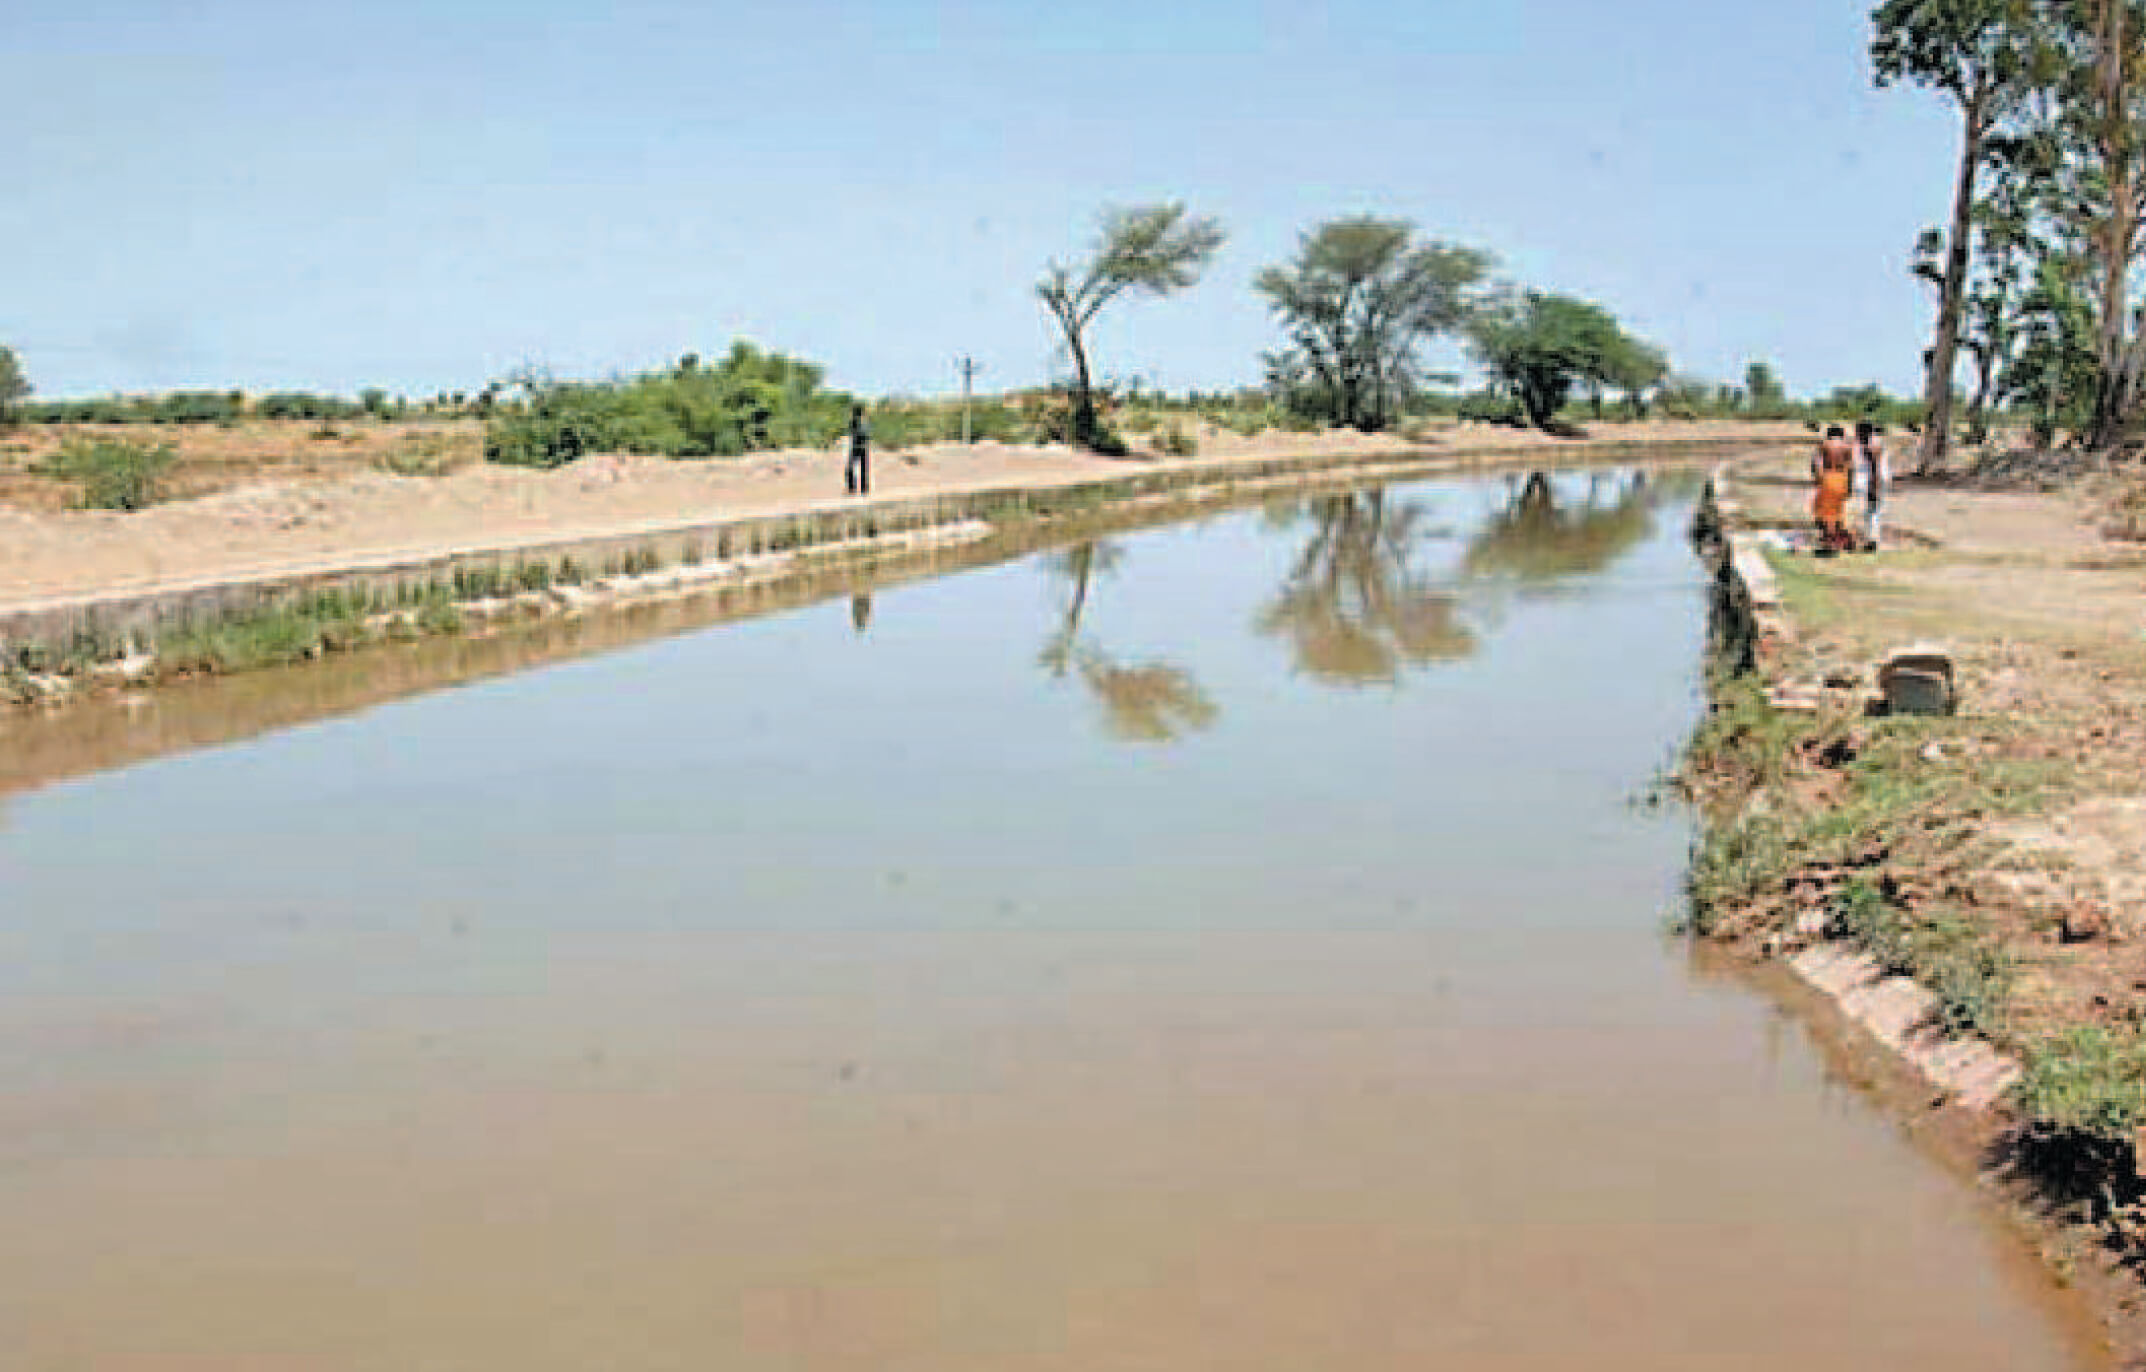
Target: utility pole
{"points": [[968, 367]]}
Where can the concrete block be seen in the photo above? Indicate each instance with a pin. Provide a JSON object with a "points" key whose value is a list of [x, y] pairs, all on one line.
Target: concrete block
{"points": [[1918, 680]]}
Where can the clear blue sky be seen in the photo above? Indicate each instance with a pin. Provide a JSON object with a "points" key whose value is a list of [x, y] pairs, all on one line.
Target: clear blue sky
{"points": [[424, 195]]}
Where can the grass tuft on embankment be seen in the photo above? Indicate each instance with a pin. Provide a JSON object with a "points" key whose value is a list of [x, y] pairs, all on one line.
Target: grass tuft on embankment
{"points": [[1834, 825], [2090, 1077]]}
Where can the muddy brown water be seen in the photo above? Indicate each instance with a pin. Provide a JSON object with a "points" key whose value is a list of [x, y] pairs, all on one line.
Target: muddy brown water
{"points": [[1229, 946]]}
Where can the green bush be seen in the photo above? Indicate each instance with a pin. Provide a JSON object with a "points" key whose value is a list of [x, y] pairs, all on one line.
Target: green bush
{"points": [[750, 400], [2087, 1078], [177, 407], [114, 474], [302, 405], [1175, 442], [994, 421], [1491, 407]]}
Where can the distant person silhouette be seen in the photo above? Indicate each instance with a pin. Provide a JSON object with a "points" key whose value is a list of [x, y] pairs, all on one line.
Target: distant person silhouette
{"points": [[857, 476], [860, 612], [1874, 474]]}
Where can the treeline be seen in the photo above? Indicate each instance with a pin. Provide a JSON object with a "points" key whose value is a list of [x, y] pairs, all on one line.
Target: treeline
{"points": [[232, 407], [1362, 300], [2037, 274]]}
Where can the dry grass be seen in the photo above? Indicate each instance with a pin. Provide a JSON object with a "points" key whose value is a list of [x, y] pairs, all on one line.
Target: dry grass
{"points": [[209, 457]]}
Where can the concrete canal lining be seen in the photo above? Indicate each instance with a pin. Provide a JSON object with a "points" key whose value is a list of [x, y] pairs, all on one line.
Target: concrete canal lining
{"points": [[109, 622]]}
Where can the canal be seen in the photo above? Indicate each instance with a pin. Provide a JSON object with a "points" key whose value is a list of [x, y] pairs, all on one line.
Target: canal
{"points": [[1232, 945]]}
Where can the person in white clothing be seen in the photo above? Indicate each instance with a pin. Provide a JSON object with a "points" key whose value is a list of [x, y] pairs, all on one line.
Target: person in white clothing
{"points": [[1874, 474]]}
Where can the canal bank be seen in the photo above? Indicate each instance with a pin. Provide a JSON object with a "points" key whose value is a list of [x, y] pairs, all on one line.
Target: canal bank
{"points": [[56, 648], [1947, 894]]}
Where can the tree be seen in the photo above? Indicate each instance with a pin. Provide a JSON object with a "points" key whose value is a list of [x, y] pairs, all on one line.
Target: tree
{"points": [[1998, 297], [1541, 345], [1763, 391], [14, 386], [1971, 51], [2099, 188], [1150, 249], [2054, 374], [1357, 300], [1635, 368]]}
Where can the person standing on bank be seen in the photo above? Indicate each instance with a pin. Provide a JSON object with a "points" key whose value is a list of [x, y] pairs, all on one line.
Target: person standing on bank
{"points": [[1875, 474], [857, 476], [1832, 472]]}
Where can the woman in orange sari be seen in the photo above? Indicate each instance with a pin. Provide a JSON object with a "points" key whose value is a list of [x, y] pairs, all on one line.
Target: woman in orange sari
{"points": [[1832, 471]]}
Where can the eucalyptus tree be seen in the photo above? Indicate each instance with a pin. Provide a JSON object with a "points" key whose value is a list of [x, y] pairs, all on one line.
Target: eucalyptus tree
{"points": [[1358, 299], [1979, 54], [1147, 249], [2097, 187]]}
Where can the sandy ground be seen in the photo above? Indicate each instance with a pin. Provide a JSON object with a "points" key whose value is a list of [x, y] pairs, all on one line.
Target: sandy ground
{"points": [[321, 511]]}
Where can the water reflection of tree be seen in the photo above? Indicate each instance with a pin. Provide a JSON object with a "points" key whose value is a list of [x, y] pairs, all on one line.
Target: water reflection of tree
{"points": [[1356, 609], [1147, 702], [1544, 535]]}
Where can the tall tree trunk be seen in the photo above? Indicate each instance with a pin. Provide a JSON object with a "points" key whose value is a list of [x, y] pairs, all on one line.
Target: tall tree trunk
{"points": [[1084, 425], [1952, 292], [1978, 407], [2113, 388]]}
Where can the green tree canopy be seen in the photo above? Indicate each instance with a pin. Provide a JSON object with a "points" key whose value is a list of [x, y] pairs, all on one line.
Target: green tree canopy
{"points": [[1763, 390], [1541, 345], [1357, 300], [1149, 249], [1635, 367], [14, 386]]}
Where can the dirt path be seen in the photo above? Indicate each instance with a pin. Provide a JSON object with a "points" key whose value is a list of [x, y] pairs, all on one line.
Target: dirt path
{"points": [[307, 519]]}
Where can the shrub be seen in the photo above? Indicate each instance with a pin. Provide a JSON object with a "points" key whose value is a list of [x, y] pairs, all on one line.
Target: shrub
{"points": [[1175, 442], [995, 421], [114, 474], [429, 454], [301, 405], [750, 400], [195, 407], [2087, 1078], [1491, 407]]}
